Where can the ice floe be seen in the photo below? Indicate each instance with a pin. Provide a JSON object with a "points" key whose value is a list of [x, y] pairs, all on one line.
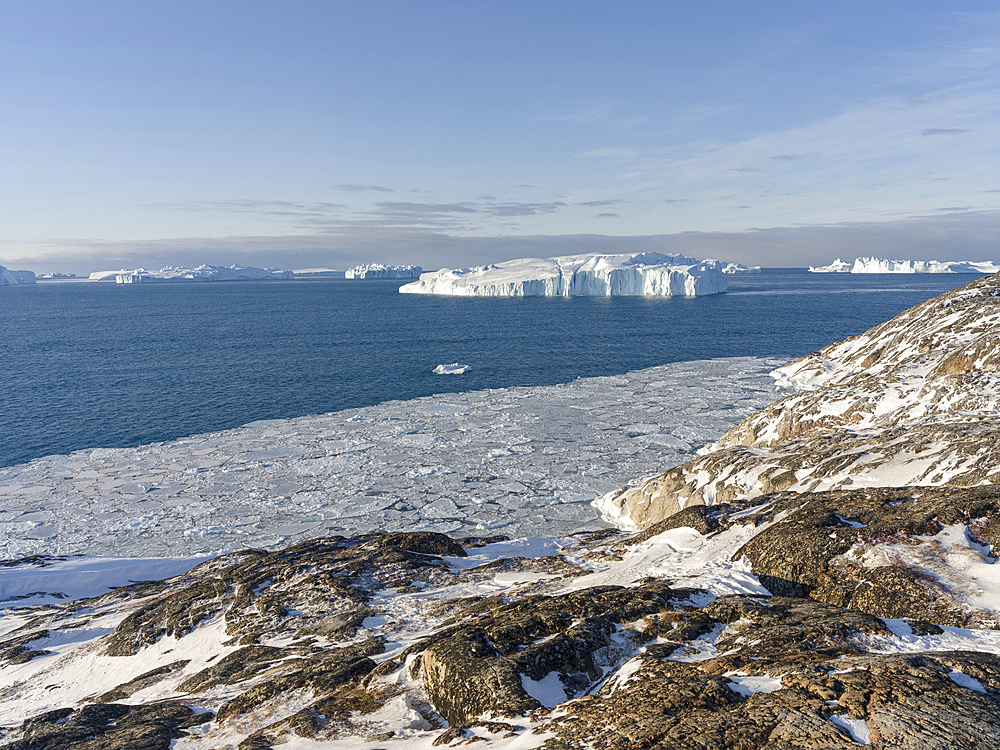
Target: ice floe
{"points": [[514, 460]]}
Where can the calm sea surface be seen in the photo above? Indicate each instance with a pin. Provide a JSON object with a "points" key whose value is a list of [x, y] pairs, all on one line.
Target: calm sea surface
{"points": [[94, 364]]}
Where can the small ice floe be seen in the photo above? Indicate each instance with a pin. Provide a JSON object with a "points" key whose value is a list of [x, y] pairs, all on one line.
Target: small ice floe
{"points": [[453, 369]]}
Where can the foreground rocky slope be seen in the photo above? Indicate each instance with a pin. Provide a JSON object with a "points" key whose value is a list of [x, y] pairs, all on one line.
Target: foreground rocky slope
{"points": [[828, 604], [417, 640], [913, 401]]}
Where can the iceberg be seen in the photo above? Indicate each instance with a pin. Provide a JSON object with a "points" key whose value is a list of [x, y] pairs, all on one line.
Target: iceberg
{"points": [[13, 278], [734, 269], [650, 274], [453, 369], [838, 266], [309, 273], [380, 271], [105, 275], [882, 265], [200, 273]]}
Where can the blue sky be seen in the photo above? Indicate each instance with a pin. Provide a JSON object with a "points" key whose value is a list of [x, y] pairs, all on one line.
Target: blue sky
{"points": [[309, 133]]}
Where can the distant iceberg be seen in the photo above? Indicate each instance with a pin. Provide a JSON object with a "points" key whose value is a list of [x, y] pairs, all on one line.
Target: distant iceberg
{"points": [[380, 271], [881, 265], [326, 273], [104, 275], [734, 269], [200, 273], [644, 274], [14, 278], [838, 266]]}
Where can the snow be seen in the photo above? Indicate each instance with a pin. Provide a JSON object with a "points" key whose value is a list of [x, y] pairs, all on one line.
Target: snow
{"points": [[952, 558], [508, 461], [14, 278], [548, 691], [51, 579], [453, 369], [857, 729], [883, 265], [966, 681], [685, 558], [747, 685], [198, 273], [380, 271], [649, 274]]}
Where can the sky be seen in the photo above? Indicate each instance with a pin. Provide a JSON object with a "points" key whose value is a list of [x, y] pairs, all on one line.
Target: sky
{"points": [[324, 133]]}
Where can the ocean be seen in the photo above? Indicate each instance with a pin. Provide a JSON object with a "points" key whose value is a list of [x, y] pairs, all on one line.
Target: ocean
{"points": [[97, 365]]}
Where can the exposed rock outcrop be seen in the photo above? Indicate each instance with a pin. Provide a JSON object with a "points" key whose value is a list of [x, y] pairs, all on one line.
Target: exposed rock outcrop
{"points": [[914, 401]]}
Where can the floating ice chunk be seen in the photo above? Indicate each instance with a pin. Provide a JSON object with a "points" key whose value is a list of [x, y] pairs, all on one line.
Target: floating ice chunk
{"points": [[740, 269], [453, 369]]}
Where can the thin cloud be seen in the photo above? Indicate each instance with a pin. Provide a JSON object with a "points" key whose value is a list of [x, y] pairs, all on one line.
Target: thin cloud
{"points": [[943, 131], [522, 209], [355, 188], [607, 216], [406, 207]]}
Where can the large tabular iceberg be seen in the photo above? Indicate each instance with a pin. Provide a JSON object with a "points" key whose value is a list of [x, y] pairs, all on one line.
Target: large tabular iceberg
{"points": [[13, 278], [645, 274], [882, 265], [380, 271], [200, 273]]}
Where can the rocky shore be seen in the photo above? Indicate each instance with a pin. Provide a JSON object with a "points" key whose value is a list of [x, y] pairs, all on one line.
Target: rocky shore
{"points": [[824, 576]]}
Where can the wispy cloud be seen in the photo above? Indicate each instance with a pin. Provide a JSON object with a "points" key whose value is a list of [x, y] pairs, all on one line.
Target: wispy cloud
{"points": [[354, 188], [943, 131]]}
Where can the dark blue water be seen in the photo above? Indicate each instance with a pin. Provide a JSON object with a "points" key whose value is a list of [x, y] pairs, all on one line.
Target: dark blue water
{"points": [[87, 365]]}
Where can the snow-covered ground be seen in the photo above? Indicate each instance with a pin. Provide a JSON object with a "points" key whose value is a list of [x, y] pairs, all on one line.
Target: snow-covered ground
{"points": [[883, 265], [643, 274], [506, 461]]}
